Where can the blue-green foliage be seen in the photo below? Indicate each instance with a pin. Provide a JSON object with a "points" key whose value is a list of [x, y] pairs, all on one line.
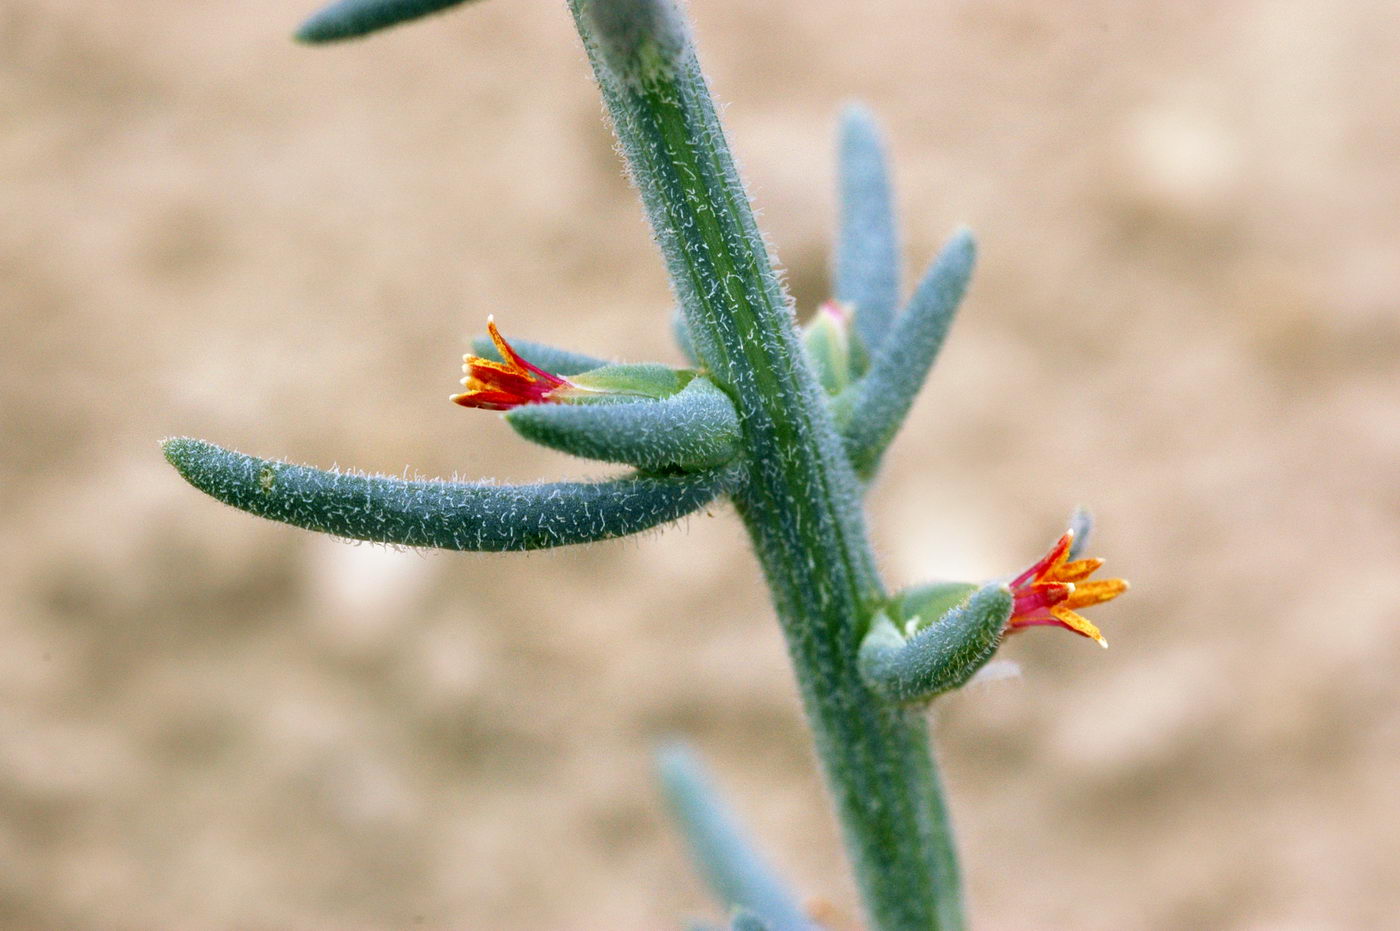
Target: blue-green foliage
{"points": [[350, 19], [867, 261], [696, 428], [559, 361], [941, 656], [447, 515], [735, 871], [873, 409]]}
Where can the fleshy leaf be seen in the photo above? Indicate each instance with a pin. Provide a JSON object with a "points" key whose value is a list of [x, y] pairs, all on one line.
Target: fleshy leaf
{"points": [[479, 517], [350, 19], [876, 406], [560, 361], [867, 261], [940, 657], [733, 868], [696, 428]]}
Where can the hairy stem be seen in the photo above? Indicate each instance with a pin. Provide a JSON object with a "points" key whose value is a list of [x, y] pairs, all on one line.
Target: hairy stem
{"points": [[801, 501]]}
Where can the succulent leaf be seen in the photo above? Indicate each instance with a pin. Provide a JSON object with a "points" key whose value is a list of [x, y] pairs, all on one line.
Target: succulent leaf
{"points": [[879, 402], [939, 657], [479, 517], [735, 871], [867, 261], [350, 19]]}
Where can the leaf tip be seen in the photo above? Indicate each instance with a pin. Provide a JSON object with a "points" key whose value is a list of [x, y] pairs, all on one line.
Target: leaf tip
{"points": [[353, 19], [323, 26], [856, 114], [962, 246], [178, 451]]}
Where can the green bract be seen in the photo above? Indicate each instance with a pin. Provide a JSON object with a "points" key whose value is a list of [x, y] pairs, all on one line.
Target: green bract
{"points": [[834, 348], [632, 380], [694, 428]]}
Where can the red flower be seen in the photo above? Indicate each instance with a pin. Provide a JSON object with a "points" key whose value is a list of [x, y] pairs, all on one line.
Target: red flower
{"points": [[1048, 592], [500, 386]]}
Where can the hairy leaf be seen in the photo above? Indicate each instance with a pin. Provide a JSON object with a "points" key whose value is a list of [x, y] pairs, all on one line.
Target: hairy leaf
{"points": [[350, 19], [941, 656], [448, 515], [877, 405], [733, 868], [867, 260]]}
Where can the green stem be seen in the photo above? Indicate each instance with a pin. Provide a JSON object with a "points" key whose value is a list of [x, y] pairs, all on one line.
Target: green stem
{"points": [[801, 502]]}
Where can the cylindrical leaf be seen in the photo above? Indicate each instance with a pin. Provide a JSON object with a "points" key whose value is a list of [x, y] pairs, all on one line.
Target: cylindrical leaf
{"points": [[940, 657], [734, 869], [695, 428], [867, 261], [448, 515], [349, 19], [880, 401]]}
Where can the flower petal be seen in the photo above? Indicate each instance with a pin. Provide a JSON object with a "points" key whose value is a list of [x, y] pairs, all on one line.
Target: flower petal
{"points": [[1076, 571], [501, 386], [1078, 623], [1048, 562], [1041, 596], [1095, 592]]}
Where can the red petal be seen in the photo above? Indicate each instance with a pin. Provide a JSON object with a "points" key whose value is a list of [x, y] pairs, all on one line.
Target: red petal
{"points": [[1057, 554]]}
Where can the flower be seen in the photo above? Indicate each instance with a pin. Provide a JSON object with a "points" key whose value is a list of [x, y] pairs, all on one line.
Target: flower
{"points": [[834, 347], [500, 386], [1050, 590]]}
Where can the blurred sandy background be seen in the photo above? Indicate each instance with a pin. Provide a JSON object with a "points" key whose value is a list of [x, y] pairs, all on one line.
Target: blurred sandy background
{"points": [[1185, 316]]}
